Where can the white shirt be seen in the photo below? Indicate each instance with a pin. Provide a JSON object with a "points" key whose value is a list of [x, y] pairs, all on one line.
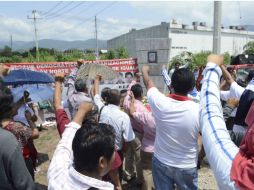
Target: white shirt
{"points": [[62, 175], [235, 91], [112, 115], [177, 129]]}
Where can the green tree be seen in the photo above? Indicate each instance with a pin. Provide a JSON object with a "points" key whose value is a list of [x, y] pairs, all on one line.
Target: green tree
{"points": [[6, 52], [227, 58], [182, 58], [249, 48], [110, 54], [199, 59], [16, 59], [122, 53]]}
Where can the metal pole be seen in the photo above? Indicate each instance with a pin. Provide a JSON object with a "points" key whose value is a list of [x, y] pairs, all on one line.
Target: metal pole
{"points": [[11, 42], [36, 38], [97, 50], [217, 28]]}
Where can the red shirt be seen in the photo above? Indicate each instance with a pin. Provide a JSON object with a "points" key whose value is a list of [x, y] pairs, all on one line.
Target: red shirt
{"points": [[242, 171]]}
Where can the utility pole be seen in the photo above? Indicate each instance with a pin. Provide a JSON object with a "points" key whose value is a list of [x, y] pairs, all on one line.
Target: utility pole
{"points": [[217, 27], [97, 50], [11, 41], [35, 31]]}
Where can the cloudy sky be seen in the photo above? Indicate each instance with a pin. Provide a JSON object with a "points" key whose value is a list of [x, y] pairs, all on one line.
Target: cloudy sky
{"points": [[74, 20]]}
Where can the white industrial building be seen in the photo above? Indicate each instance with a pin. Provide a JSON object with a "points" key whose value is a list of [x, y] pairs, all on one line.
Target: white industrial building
{"points": [[156, 45], [193, 38]]}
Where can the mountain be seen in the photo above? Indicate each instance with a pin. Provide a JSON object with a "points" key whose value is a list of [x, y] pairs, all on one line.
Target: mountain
{"points": [[57, 44]]}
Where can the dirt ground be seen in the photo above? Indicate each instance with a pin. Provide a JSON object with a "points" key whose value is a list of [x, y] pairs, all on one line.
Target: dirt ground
{"points": [[46, 145]]}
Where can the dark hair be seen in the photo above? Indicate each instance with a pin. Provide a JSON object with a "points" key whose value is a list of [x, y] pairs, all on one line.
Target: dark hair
{"points": [[128, 73], [80, 85], [183, 81], [137, 90], [123, 91], [113, 97], [91, 142], [92, 116], [104, 93], [250, 75], [6, 102]]}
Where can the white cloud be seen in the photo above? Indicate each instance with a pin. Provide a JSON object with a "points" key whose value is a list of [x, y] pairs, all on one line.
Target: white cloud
{"points": [[141, 15], [201, 11]]}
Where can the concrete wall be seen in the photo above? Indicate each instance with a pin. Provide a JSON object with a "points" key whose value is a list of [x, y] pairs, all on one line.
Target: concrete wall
{"points": [[162, 47], [202, 40], [128, 40]]}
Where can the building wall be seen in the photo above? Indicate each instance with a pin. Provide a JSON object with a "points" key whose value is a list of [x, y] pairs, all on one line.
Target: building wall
{"points": [[196, 41], [128, 40], [192, 38]]}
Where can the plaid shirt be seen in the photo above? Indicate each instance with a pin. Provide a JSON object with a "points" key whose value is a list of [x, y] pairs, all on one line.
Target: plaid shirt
{"points": [[62, 175]]}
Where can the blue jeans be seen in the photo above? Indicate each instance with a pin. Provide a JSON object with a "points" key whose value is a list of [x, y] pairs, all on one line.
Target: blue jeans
{"points": [[165, 177]]}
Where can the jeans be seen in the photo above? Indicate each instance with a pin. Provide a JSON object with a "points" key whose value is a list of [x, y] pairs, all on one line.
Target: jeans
{"points": [[165, 177]]}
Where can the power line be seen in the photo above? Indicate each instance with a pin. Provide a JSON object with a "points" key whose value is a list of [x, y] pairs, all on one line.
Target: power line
{"points": [[59, 10], [68, 10], [105, 8], [99, 12], [50, 10]]}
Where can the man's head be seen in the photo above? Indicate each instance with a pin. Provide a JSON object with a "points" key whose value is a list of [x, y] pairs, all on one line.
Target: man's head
{"points": [[80, 85], [137, 91], [104, 93], [183, 81], [177, 65], [113, 97], [6, 102], [123, 94], [250, 76], [93, 149], [92, 116]]}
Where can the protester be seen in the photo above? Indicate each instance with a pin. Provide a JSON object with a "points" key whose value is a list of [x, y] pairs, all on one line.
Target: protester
{"points": [[77, 91], [245, 96], [232, 167], [111, 114], [132, 159], [62, 120], [177, 66], [93, 153], [13, 171], [23, 134], [147, 148], [177, 130]]}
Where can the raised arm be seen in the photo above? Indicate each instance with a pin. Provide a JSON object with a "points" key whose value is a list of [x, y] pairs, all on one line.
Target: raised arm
{"points": [[35, 131], [219, 148], [59, 78], [226, 75], [97, 97], [147, 81], [62, 158]]}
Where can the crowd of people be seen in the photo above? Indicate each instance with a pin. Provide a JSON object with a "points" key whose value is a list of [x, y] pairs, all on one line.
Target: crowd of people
{"points": [[109, 136]]}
